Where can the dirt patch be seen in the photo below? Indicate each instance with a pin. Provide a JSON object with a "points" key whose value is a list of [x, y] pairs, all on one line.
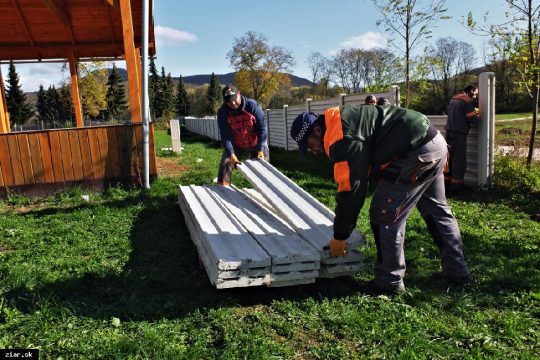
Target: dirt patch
{"points": [[169, 167]]}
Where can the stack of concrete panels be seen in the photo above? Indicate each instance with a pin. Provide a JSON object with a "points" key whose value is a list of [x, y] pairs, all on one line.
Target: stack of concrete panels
{"points": [[231, 258], [305, 214], [241, 243]]}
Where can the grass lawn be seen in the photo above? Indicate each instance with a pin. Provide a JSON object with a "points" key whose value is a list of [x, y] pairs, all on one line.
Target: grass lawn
{"points": [[118, 277], [511, 116]]}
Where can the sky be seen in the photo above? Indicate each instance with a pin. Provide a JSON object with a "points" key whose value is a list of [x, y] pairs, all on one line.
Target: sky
{"points": [[193, 37]]}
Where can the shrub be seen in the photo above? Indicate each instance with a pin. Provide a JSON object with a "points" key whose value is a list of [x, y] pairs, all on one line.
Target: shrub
{"points": [[511, 173]]}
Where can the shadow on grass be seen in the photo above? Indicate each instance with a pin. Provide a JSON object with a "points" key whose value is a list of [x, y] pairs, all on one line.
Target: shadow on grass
{"points": [[162, 278]]}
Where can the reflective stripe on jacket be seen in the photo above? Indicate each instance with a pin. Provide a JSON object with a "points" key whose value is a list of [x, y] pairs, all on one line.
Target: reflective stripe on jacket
{"points": [[359, 136]]}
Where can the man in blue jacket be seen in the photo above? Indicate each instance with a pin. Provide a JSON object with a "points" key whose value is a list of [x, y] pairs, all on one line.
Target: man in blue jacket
{"points": [[242, 128]]}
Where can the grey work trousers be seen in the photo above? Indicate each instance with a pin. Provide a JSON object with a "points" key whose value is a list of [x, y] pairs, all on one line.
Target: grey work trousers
{"points": [[226, 167], [457, 143], [415, 179]]}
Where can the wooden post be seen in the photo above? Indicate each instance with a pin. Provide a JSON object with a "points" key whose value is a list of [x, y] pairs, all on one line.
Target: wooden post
{"points": [[4, 115], [75, 90], [130, 53]]}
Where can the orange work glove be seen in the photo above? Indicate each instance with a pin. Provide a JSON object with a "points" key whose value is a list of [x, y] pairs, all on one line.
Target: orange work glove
{"points": [[234, 160], [337, 248], [260, 155]]}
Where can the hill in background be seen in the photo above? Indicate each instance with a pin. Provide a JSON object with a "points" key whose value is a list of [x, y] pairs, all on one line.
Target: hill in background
{"points": [[223, 78]]}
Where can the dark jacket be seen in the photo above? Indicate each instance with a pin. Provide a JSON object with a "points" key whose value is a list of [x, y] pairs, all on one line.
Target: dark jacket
{"points": [[358, 138], [260, 127], [461, 114]]}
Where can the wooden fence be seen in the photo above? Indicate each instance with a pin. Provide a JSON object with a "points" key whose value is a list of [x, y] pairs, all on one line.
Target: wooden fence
{"points": [[47, 161]]}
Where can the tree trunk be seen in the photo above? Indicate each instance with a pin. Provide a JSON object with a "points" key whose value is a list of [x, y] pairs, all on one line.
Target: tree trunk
{"points": [[533, 126]]}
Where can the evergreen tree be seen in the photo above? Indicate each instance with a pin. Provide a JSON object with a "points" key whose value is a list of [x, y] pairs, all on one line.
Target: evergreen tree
{"points": [[213, 98], [116, 95], [52, 100], [182, 101], [153, 88], [19, 109], [168, 97], [41, 105], [66, 111]]}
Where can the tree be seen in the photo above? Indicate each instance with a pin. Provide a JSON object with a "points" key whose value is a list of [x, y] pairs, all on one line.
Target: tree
{"points": [[410, 25], [213, 95], [261, 68], [66, 111], [182, 100], [41, 105], [19, 109], [116, 95], [153, 87], [52, 100], [521, 34], [321, 71], [168, 96]]}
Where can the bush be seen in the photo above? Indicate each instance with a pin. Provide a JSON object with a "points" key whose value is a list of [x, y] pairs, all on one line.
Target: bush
{"points": [[511, 173]]}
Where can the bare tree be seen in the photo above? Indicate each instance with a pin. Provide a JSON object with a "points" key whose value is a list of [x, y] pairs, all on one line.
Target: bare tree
{"points": [[521, 32], [410, 25], [261, 68]]}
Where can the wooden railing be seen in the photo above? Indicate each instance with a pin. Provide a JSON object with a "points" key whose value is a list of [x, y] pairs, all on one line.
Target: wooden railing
{"points": [[44, 162]]}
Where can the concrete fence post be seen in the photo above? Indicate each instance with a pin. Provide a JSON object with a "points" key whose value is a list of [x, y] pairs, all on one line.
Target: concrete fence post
{"points": [[395, 99], [268, 125], [174, 125], [308, 104], [486, 128], [285, 126], [342, 99]]}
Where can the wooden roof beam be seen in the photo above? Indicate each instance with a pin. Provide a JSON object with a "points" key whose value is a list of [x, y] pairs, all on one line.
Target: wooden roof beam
{"points": [[23, 20], [61, 15], [109, 17]]}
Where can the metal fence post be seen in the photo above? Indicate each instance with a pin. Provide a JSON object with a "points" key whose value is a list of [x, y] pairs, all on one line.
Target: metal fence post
{"points": [[286, 132], [486, 128]]}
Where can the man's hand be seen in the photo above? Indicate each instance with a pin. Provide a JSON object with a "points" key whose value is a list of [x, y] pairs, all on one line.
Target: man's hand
{"points": [[234, 160], [260, 154], [337, 248]]}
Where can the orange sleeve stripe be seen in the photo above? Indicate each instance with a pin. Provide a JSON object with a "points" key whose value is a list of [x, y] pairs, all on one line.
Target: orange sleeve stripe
{"points": [[342, 175], [334, 131]]}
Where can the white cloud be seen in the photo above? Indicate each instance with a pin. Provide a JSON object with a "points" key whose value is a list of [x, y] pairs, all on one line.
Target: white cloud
{"points": [[45, 69], [172, 37], [367, 41], [31, 83]]}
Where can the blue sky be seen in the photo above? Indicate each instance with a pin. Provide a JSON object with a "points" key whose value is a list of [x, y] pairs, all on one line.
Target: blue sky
{"points": [[193, 37]]}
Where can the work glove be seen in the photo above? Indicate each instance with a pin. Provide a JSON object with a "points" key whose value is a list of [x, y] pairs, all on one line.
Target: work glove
{"points": [[260, 154], [337, 248], [234, 160]]}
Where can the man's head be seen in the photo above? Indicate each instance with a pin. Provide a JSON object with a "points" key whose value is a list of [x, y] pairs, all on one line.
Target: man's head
{"points": [[231, 96], [370, 100], [306, 130], [383, 101], [471, 91]]}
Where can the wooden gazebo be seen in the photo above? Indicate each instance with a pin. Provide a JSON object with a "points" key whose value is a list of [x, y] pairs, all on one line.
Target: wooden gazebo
{"points": [[73, 30]]}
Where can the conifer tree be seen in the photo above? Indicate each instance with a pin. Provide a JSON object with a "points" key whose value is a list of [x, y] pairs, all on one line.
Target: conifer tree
{"points": [[213, 98], [65, 108], [168, 97], [116, 95], [19, 109], [52, 100], [153, 88], [41, 105], [182, 101]]}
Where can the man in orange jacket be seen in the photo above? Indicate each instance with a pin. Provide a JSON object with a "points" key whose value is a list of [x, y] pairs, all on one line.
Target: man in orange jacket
{"points": [[399, 148]]}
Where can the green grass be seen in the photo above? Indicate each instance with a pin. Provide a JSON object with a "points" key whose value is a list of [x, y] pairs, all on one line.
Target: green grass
{"points": [[511, 116], [118, 278]]}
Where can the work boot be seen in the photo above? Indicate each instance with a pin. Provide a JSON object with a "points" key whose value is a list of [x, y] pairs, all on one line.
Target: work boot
{"points": [[459, 280], [373, 288]]}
